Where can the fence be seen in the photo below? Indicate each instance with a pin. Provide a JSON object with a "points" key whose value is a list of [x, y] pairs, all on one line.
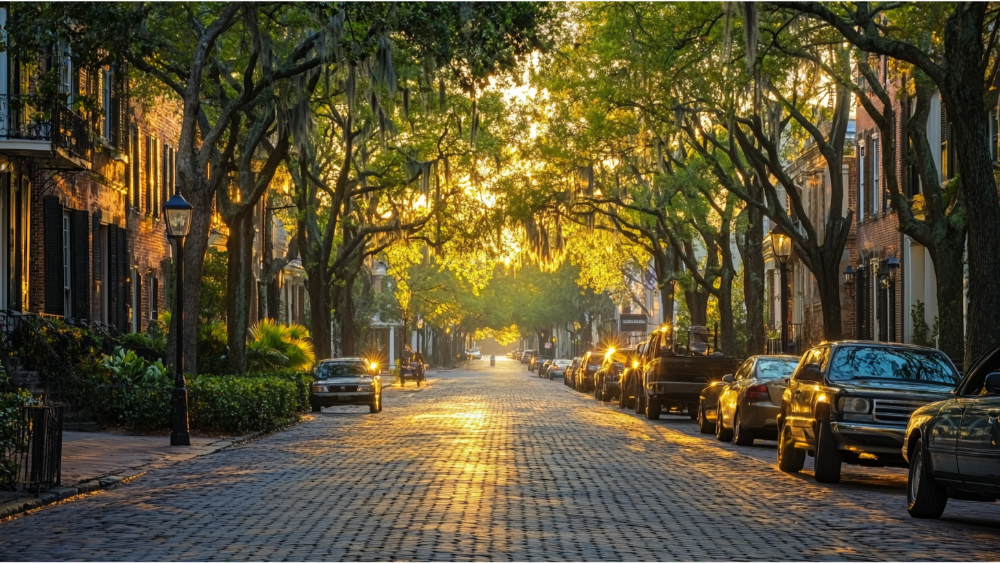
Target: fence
{"points": [[35, 456]]}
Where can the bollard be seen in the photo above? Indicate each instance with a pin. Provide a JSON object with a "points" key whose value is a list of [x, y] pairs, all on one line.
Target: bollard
{"points": [[493, 360]]}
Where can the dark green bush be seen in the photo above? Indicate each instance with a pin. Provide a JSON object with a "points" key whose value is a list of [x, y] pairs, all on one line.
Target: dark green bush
{"points": [[241, 404], [10, 421]]}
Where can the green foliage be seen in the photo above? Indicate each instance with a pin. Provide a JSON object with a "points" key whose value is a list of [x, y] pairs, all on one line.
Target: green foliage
{"points": [[214, 281], [213, 348], [275, 346], [125, 367], [10, 418], [156, 332], [920, 329], [135, 340]]}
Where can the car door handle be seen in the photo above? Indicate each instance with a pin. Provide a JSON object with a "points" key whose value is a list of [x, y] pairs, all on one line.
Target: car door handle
{"points": [[993, 417]]}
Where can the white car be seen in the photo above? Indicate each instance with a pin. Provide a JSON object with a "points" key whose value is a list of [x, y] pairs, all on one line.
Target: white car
{"points": [[476, 353]]}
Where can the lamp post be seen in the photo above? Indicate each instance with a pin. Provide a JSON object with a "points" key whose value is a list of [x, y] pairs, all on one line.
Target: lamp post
{"points": [[177, 212], [781, 246]]}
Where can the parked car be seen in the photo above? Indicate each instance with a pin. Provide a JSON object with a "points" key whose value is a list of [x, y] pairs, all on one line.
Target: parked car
{"points": [[747, 405], [674, 376], [570, 372], [345, 381], [583, 378], [526, 355], [543, 368], [606, 380], [476, 353], [631, 378], [557, 369], [953, 446], [850, 401]]}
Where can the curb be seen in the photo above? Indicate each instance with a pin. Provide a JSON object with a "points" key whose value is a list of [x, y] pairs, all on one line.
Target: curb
{"points": [[16, 507]]}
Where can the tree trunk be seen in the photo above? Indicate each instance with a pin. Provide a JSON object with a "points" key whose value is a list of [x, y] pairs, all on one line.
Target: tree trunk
{"points": [[697, 302], [948, 270], [752, 253], [239, 246], [727, 340], [319, 312], [345, 312], [828, 285]]}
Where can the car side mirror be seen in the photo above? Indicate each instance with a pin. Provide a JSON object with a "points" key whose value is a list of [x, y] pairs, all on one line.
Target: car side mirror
{"points": [[728, 378], [810, 372], [992, 383]]}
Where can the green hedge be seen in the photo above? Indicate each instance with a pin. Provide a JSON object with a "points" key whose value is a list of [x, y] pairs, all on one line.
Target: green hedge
{"points": [[225, 403]]}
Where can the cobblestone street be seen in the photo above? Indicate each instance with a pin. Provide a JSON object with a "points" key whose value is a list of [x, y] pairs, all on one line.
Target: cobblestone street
{"points": [[494, 463]]}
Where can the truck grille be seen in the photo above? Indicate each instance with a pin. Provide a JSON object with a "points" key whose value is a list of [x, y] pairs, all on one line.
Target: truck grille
{"points": [[342, 388], [894, 411]]}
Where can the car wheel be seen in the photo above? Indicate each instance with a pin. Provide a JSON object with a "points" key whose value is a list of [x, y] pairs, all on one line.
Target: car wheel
{"points": [[790, 458], [693, 411], [924, 497], [722, 433], [704, 426], [317, 408], [828, 458], [622, 399], [597, 393], [742, 435], [640, 401], [653, 408]]}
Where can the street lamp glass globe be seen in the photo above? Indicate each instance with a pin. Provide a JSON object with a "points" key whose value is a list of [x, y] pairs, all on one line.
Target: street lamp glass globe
{"points": [[781, 244], [177, 212]]}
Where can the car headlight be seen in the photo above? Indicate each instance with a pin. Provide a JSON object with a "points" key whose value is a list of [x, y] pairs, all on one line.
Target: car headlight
{"points": [[319, 388], [854, 404], [364, 387]]}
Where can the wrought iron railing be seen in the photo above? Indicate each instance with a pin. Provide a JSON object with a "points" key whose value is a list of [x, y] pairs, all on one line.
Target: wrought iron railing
{"points": [[24, 350], [21, 118], [40, 463]]}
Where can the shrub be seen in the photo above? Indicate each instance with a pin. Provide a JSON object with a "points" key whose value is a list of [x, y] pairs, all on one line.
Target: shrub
{"points": [[275, 346], [10, 423], [212, 348], [242, 404], [135, 340], [127, 368]]}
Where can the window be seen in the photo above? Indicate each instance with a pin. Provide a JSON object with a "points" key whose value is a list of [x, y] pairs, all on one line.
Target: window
{"points": [[106, 101], [148, 176], [136, 154], [154, 297], [168, 174], [66, 74], [861, 182], [154, 179], [876, 192]]}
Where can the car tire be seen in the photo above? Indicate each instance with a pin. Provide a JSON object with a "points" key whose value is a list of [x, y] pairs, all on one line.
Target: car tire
{"points": [[828, 458], [652, 408], [925, 498], [622, 399], [704, 426], [640, 401], [790, 458], [722, 433], [693, 411], [742, 435], [317, 408]]}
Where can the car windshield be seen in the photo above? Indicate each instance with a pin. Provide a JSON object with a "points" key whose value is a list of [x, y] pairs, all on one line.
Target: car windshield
{"points": [[877, 362], [595, 359], [340, 369], [563, 362], [768, 369]]}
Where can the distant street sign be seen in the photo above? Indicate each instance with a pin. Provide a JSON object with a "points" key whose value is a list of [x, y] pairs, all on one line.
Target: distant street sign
{"points": [[632, 323]]}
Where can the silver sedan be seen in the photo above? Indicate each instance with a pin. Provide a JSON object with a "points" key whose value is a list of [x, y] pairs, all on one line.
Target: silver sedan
{"points": [[750, 402]]}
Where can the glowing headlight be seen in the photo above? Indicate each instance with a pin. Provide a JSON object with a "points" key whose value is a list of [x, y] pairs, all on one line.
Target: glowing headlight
{"points": [[364, 387], [853, 404]]}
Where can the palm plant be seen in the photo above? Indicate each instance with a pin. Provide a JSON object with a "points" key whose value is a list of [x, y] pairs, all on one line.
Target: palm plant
{"points": [[277, 346]]}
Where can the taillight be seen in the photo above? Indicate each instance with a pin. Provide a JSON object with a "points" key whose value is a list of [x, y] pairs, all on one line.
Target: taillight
{"points": [[758, 392]]}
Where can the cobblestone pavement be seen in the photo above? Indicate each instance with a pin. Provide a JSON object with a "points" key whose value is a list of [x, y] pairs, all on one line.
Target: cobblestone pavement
{"points": [[493, 463]]}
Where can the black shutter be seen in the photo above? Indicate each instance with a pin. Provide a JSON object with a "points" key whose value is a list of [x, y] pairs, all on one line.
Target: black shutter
{"points": [[111, 284], [52, 211], [137, 289], [81, 263], [154, 296], [122, 288], [98, 264]]}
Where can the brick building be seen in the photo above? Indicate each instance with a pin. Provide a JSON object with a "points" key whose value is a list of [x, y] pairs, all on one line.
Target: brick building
{"points": [[895, 273]]}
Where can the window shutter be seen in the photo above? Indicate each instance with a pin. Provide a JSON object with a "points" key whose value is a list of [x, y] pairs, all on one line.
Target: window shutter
{"points": [[81, 263], [165, 165], [52, 211], [121, 288], [111, 284], [154, 296], [98, 264], [148, 183], [137, 289], [136, 187]]}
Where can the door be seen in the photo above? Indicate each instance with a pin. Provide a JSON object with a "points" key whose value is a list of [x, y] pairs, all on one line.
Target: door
{"points": [[978, 449], [941, 440]]}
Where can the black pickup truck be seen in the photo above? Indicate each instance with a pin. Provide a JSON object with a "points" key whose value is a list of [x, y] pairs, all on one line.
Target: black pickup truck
{"points": [[673, 376]]}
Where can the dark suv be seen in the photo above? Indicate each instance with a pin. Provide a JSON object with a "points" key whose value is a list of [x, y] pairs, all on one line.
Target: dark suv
{"points": [[850, 402], [583, 379]]}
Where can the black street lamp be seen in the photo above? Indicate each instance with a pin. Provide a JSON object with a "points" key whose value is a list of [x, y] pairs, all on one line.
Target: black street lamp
{"points": [[177, 212], [781, 246]]}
